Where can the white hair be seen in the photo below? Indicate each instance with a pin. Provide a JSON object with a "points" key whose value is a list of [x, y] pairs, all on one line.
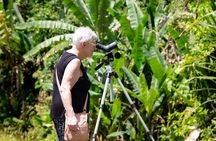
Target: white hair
{"points": [[83, 34]]}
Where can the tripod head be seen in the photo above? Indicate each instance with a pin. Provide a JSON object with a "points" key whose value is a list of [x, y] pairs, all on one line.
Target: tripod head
{"points": [[109, 55], [109, 59]]}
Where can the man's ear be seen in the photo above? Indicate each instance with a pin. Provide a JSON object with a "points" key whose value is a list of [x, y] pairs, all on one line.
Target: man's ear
{"points": [[84, 44]]}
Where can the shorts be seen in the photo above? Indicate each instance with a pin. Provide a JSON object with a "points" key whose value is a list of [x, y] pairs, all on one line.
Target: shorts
{"points": [[59, 124]]}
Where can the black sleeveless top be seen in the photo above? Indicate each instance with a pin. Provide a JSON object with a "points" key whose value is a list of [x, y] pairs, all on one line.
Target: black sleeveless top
{"points": [[78, 92]]}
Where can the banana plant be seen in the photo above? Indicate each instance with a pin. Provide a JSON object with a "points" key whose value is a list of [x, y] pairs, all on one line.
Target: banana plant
{"points": [[147, 96], [47, 43], [93, 13], [137, 30], [141, 39]]}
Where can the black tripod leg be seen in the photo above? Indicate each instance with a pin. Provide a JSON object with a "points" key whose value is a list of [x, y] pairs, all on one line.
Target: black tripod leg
{"points": [[134, 107], [101, 106]]}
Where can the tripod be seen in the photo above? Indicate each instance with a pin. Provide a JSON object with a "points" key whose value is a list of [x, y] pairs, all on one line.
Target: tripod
{"points": [[110, 74]]}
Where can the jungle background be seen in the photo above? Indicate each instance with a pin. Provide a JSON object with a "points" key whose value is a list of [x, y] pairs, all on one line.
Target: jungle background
{"points": [[167, 65]]}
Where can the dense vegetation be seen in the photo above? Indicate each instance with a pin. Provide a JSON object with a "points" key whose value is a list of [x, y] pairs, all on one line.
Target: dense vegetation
{"points": [[167, 64]]}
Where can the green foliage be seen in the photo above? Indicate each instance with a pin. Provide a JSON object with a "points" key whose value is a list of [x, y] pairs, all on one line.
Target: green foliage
{"points": [[148, 96], [39, 125], [179, 123], [17, 91], [79, 9], [138, 48], [167, 65], [93, 14], [50, 41], [41, 121], [47, 43], [46, 24], [134, 13]]}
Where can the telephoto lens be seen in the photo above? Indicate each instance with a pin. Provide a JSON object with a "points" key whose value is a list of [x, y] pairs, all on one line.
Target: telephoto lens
{"points": [[106, 48]]}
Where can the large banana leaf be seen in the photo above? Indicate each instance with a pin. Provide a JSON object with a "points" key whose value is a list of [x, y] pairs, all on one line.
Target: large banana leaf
{"points": [[45, 24], [125, 25], [84, 9], [79, 10], [155, 62], [60, 46], [132, 78], [93, 13], [154, 58], [104, 19], [138, 48], [93, 9], [148, 96], [47, 43], [134, 13]]}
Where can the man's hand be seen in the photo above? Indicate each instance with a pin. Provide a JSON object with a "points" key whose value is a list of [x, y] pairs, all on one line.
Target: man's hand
{"points": [[71, 122]]}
